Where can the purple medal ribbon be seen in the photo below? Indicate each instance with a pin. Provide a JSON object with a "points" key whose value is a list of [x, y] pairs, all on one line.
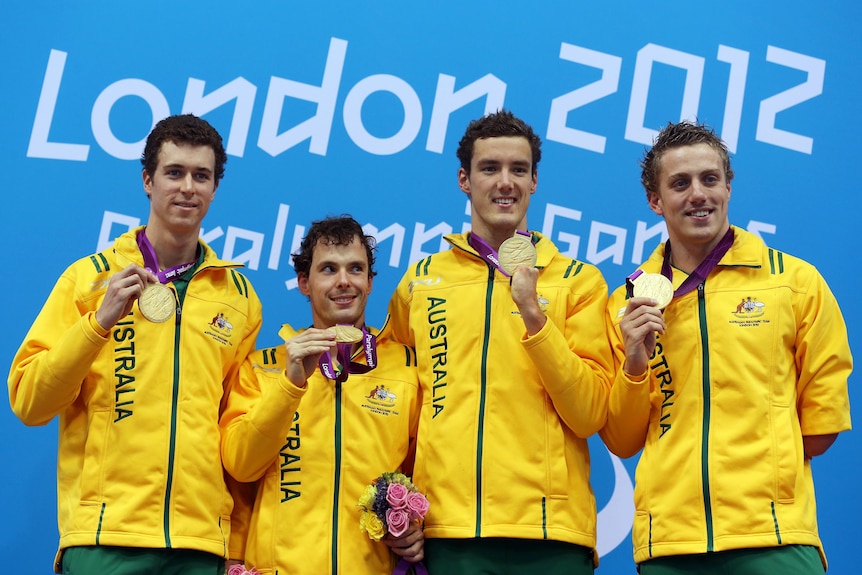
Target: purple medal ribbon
{"points": [[488, 253], [699, 274], [151, 262], [369, 348], [404, 566]]}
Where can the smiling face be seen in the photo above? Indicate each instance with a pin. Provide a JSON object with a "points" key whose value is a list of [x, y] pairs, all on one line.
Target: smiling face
{"points": [[500, 183], [692, 196], [180, 189], [337, 284]]}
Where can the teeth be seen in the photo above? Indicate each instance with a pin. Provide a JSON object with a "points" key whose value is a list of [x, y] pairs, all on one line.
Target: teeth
{"points": [[700, 213], [506, 201]]}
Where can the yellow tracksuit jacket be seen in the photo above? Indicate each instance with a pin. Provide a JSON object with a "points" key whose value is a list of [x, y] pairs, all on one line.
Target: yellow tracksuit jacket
{"points": [[502, 446], [752, 361], [311, 452], [138, 456]]}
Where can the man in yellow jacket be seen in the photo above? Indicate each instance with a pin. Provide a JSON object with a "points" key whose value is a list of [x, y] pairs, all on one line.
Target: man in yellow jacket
{"points": [[133, 350], [731, 388], [314, 422], [515, 369]]}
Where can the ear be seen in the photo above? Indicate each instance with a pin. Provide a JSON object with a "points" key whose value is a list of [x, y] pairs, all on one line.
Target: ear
{"points": [[370, 283], [655, 204], [302, 281], [464, 181], [535, 181], [148, 183]]}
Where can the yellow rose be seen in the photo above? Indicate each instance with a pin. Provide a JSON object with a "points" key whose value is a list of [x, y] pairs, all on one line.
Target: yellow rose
{"points": [[371, 524], [368, 497]]}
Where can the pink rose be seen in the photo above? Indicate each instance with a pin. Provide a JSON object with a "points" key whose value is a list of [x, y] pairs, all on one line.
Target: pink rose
{"points": [[396, 495], [398, 521], [417, 505]]}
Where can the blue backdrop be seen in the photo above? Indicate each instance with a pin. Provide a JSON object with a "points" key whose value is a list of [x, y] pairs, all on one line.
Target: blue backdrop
{"points": [[331, 107]]}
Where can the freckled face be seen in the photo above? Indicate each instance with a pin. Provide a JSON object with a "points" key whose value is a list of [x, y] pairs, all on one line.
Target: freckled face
{"points": [[500, 183], [337, 284]]}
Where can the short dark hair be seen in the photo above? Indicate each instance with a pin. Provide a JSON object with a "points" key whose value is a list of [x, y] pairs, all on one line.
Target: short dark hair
{"points": [[336, 231], [499, 124], [684, 133], [183, 129]]}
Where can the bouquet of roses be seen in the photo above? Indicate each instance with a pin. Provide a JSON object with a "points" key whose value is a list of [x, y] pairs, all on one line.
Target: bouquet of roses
{"points": [[240, 569], [389, 505]]}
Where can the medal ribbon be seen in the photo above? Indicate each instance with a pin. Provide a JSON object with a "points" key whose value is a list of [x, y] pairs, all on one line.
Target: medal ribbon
{"points": [[488, 253], [369, 348], [151, 262], [404, 566], [702, 270]]}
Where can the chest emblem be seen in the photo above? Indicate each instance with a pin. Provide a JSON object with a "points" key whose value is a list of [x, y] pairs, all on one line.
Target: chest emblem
{"points": [[748, 308]]}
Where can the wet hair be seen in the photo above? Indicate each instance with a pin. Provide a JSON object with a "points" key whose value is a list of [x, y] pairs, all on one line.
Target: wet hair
{"points": [[499, 124], [335, 231], [684, 133], [183, 129]]}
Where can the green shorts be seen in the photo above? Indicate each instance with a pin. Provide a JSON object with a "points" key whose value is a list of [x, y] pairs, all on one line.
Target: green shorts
{"points": [[139, 561], [503, 556], [788, 560]]}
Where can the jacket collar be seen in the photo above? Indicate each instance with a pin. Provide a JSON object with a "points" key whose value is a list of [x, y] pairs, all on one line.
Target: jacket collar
{"points": [[128, 252], [746, 251]]}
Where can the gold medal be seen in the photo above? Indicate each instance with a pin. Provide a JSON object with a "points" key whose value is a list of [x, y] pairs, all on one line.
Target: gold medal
{"points": [[157, 303], [654, 286], [516, 251], [346, 333], [343, 333]]}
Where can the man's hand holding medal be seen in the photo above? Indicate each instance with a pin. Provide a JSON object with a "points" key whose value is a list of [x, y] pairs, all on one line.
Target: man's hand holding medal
{"points": [[124, 288]]}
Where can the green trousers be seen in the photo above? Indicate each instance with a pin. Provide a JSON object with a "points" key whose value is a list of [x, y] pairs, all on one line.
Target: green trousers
{"points": [[139, 561], [502, 556], [789, 560]]}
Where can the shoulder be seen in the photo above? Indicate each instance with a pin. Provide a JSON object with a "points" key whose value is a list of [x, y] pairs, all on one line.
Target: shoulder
{"points": [[550, 258], [268, 359], [391, 352]]}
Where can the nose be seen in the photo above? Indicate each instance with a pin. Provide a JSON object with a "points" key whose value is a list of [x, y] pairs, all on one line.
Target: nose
{"points": [[505, 181], [698, 192], [342, 278], [187, 184]]}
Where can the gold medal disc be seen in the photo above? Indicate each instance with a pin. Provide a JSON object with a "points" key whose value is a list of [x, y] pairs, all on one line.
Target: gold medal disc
{"points": [[157, 303], [516, 251], [346, 333], [654, 286]]}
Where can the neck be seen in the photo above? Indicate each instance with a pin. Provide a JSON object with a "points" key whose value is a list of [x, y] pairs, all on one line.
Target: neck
{"points": [[687, 257], [172, 249], [495, 238]]}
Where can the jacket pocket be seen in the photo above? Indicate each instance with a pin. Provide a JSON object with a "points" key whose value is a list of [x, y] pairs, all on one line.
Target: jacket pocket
{"points": [[93, 464], [784, 446], [555, 454]]}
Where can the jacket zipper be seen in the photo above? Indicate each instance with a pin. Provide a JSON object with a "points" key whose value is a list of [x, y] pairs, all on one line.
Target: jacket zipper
{"points": [[337, 482], [704, 447], [173, 435], [482, 394]]}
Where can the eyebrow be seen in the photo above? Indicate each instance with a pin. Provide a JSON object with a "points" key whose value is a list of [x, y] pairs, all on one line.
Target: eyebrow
{"points": [[689, 174], [359, 263], [495, 161], [183, 166]]}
